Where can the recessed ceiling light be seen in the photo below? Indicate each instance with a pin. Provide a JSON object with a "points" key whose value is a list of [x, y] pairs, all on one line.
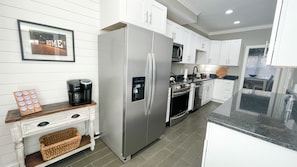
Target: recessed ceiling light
{"points": [[229, 11], [236, 22]]}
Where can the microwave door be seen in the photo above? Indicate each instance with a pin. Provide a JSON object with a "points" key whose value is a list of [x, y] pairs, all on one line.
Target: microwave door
{"points": [[177, 53], [180, 53]]}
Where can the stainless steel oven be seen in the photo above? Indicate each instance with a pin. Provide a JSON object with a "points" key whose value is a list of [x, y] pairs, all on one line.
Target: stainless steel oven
{"points": [[179, 103]]}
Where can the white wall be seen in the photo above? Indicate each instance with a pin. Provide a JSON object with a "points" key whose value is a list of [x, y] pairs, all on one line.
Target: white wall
{"points": [[48, 78]]}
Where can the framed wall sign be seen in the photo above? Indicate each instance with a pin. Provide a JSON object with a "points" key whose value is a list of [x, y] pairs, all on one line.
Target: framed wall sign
{"points": [[46, 43]]}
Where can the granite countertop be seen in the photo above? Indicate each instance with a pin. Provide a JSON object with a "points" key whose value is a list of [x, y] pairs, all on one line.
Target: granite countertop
{"points": [[259, 114], [228, 77]]}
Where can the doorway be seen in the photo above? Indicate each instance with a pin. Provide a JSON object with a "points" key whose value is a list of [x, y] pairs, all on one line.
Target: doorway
{"points": [[256, 75]]}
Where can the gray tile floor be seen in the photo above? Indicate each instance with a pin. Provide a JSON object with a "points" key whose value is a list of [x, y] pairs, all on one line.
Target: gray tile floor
{"points": [[182, 146]]}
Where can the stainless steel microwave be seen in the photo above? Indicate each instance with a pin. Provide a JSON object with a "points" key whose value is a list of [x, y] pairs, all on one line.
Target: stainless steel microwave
{"points": [[177, 52]]}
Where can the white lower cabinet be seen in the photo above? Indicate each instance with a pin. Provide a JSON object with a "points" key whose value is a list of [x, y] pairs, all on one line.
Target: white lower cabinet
{"points": [[222, 90], [207, 90], [226, 147]]}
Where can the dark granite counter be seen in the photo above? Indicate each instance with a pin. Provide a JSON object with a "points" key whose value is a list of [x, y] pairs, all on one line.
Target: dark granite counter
{"points": [[228, 77], [260, 114]]}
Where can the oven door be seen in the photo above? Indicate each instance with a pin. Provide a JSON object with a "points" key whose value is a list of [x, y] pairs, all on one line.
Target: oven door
{"points": [[179, 106]]}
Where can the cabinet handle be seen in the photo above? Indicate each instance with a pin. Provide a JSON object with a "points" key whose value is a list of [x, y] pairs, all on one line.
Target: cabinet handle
{"points": [[150, 18], [75, 116], [173, 35], [41, 124], [266, 49], [146, 17]]}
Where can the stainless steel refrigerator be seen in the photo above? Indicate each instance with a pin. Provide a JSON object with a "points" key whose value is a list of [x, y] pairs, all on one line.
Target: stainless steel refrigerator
{"points": [[134, 70]]}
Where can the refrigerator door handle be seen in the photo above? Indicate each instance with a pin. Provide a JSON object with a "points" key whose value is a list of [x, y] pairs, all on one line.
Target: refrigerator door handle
{"points": [[153, 83], [148, 83]]}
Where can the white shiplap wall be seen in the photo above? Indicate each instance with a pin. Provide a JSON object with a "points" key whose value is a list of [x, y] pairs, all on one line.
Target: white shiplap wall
{"points": [[48, 78]]}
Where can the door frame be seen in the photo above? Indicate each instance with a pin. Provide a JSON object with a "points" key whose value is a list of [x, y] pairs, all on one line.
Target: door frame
{"points": [[246, 53]]}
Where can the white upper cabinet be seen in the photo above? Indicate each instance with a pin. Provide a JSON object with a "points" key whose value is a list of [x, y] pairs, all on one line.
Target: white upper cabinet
{"points": [[189, 53], [176, 32], [157, 20], [190, 48], [192, 42], [183, 36], [214, 52], [283, 37], [230, 52], [148, 14], [203, 43]]}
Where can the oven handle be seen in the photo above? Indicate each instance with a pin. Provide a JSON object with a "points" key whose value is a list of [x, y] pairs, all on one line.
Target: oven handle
{"points": [[180, 115], [176, 94]]}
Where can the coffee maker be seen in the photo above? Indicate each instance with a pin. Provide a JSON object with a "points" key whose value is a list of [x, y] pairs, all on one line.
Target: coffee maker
{"points": [[79, 91]]}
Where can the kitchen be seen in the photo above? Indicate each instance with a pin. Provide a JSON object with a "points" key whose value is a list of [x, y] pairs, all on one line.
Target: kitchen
{"points": [[50, 78]]}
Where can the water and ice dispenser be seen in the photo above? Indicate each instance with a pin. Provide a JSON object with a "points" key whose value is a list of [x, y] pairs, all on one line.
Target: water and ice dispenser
{"points": [[138, 85]]}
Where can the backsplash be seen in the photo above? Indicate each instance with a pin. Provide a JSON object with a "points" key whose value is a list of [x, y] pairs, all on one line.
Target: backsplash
{"points": [[178, 69]]}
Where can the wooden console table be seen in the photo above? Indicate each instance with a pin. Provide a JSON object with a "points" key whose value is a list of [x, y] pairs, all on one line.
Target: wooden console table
{"points": [[52, 116]]}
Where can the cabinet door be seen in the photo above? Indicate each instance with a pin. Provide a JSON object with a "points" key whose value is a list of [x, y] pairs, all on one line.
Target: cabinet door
{"points": [[217, 90], [225, 51], [170, 30], [174, 31], [214, 53], [199, 42], [282, 42], [209, 90], [157, 17], [223, 90], [205, 44], [235, 47], [192, 47], [136, 12], [147, 14], [230, 52], [188, 54], [179, 35], [204, 95]]}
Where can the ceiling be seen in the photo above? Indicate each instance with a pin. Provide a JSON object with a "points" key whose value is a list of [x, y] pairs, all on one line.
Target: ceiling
{"points": [[208, 16]]}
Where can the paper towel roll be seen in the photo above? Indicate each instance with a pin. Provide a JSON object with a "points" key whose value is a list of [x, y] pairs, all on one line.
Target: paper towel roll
{"points": [[295, 88], [186, 74]]}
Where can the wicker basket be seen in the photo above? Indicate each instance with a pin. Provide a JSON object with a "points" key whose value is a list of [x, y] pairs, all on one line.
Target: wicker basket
{"points": [[58, 143]]}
